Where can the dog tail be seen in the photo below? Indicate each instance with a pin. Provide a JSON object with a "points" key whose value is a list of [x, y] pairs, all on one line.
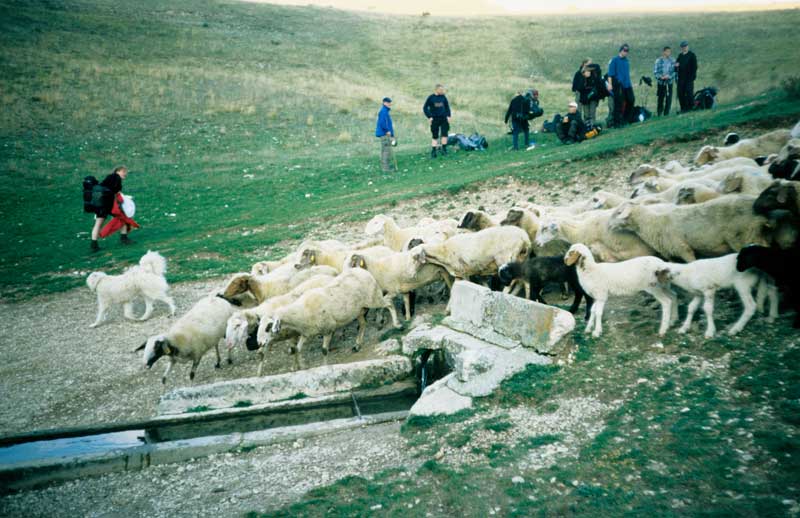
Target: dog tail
{"points": [[94, 279], [153, 262]]}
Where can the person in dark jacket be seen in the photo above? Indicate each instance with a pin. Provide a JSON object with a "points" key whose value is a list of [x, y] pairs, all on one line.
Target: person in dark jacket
{"points": [[108, 189], [519, 111], [686, 64], [437, 110], [577, 79], [590, 88], [384, 130], [571, 128], [621, 87]]}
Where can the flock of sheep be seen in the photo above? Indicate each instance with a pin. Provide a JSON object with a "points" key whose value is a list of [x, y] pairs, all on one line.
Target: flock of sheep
{"points": [[736, 208]]}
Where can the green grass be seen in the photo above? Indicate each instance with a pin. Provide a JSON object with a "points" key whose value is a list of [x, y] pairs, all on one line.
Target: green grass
{"points": [[196, 96]]}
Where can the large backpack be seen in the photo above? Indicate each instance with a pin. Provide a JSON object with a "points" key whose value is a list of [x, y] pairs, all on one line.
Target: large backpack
{"points": [[705, 99], [88, 186]]}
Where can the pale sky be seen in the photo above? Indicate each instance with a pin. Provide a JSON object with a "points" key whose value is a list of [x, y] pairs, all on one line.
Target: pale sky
{"points": [[532, 7]]}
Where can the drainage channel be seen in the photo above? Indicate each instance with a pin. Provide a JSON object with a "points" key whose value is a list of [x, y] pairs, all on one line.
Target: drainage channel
{"points": [[44, 457]]}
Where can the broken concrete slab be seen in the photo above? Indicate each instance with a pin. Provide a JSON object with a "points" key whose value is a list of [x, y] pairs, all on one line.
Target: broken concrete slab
{"points": [[440, 399], [328, 379], [506, 320]]}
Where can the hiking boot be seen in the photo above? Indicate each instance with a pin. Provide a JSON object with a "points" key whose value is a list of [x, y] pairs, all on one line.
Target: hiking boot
{"points": [[444, 149], [125, 240], [94, 246], [433, 152]]}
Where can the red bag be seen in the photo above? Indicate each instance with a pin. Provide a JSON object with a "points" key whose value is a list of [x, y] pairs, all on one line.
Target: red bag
{"points": [[119, 219]]}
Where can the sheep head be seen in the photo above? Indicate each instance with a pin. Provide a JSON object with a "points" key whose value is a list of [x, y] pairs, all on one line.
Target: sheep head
{"points": [[267, 330], [706, 155], [238, 285], [685, 196], [643, 171], [621, 218], [598, 201], [548, 231], [750, 257], [307, 259], [577, 255], [664, 276], [358, 261], [731, 183], [236, 330], [731, 139], [156, 347], [469, 221], [420, 258], [375, 225], [260, 268], [415, 242], [781, 195], [513, 217]]}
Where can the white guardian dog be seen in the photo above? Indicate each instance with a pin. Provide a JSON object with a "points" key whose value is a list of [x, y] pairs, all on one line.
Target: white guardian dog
{"points": [[145, 279]]}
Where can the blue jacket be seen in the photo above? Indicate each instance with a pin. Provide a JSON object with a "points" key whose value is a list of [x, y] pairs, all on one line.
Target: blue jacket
{"points": [[620, 69], [384, 122]]}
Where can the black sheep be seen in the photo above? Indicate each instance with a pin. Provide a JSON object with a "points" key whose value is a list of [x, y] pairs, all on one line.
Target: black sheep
{"points": [[538, 271], [778, 263]]}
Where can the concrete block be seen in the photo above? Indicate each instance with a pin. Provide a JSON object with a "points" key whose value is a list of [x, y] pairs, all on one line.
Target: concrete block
{"points": [[439, 399]]}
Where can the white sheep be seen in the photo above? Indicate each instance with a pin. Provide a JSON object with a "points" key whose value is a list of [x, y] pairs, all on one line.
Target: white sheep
{"points": [[277, 282], [600, 280], [191, 336], [400, 274], [764, 144], [321, 311], [675, 174], [702, 279], [710, 229], [265, 267], [523, 218], [338, 259], [398, 238], [478, 219], [592, 229], [477, 253]]}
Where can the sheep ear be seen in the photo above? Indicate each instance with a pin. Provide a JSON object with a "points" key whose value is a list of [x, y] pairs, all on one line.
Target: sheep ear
{"points": [[276, 325], [731, 183], [662, 276], [362, 264], [467, 220], [625, 212], [141, 347], [536, 211]]}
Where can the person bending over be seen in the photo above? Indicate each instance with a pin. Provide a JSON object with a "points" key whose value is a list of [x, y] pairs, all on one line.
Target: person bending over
{"points": [[437, 110], [107, 190]]}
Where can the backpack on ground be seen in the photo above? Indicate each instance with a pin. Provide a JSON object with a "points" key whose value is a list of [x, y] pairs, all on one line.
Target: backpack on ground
{"points": [[705, 99], [641, 114], [550, 126], [475, 142]]}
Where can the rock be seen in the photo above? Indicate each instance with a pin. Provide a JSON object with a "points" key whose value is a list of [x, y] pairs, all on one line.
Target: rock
{"points": [[388, 347], [439, 399], [517, 480], [506, 320]]}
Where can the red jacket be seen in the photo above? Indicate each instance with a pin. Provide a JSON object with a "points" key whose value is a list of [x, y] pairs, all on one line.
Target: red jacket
{"points": [[118, 220]]}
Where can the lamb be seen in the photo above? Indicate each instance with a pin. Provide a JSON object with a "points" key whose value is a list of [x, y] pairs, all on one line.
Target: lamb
{"points": [[397, 238], [524, 219], [710, 229], [321, 311], [702, 279], [478, 253], [535, 272], [764, 144], [280, 281], [191, 336], [592, 229], [774, 263], [478, 220], [600, 280], [145, 279], [400, 274], [242, 325]]}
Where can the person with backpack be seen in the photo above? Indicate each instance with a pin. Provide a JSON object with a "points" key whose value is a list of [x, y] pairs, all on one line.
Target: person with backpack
{"points": [[621, 87], [519, 113], [437, 110], [664, 72], [577, 79], [384, 130], [686, 63], [103, 195], [590, 92], [570, 128]]}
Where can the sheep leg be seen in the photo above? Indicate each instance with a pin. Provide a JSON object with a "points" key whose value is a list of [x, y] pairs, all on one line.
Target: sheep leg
{"points": [[148, 308], [761, 295], [261, 360], [708, 308], [590, 320], [589, 304], [564, 291], [407, 305], [743, 288], [362, 328], [102, 309], [598, 308], [166, 372], [128, 310], [690, 310], [510, 287], [388, 300], [527, 286], [326, 340], [772, 293], [166, 299], [664, 298], [219, 360]]}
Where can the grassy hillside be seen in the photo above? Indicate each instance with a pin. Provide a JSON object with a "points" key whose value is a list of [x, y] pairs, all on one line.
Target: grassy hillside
{"points": [[245, 124]]}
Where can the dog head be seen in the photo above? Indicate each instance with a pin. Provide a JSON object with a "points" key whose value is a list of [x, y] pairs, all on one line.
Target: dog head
{"points": [[94, 279]]}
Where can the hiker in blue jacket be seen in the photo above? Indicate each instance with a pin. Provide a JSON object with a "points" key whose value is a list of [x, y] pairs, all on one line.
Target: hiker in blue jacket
{"points": [[385, 131], [621, 87]]}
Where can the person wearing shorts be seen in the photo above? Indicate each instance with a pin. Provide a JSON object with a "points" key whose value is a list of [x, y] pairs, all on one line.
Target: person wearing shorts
{"points": [[437, 110], [112, 184]]}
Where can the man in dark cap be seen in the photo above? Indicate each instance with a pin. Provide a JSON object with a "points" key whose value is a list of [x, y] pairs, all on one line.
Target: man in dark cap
{"points": [[686, 65], [385, 131], [620, 86]]}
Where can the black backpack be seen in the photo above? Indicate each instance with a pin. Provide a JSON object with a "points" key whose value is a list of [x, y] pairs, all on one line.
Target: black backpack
{"points": [[705, 99], [89, 183]]}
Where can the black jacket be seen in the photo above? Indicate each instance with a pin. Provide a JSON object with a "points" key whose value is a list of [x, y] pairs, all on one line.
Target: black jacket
{"points": [[518, 108], [576, 80], [436, 106], [112, 182], [590, 88], [687, 71]]}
